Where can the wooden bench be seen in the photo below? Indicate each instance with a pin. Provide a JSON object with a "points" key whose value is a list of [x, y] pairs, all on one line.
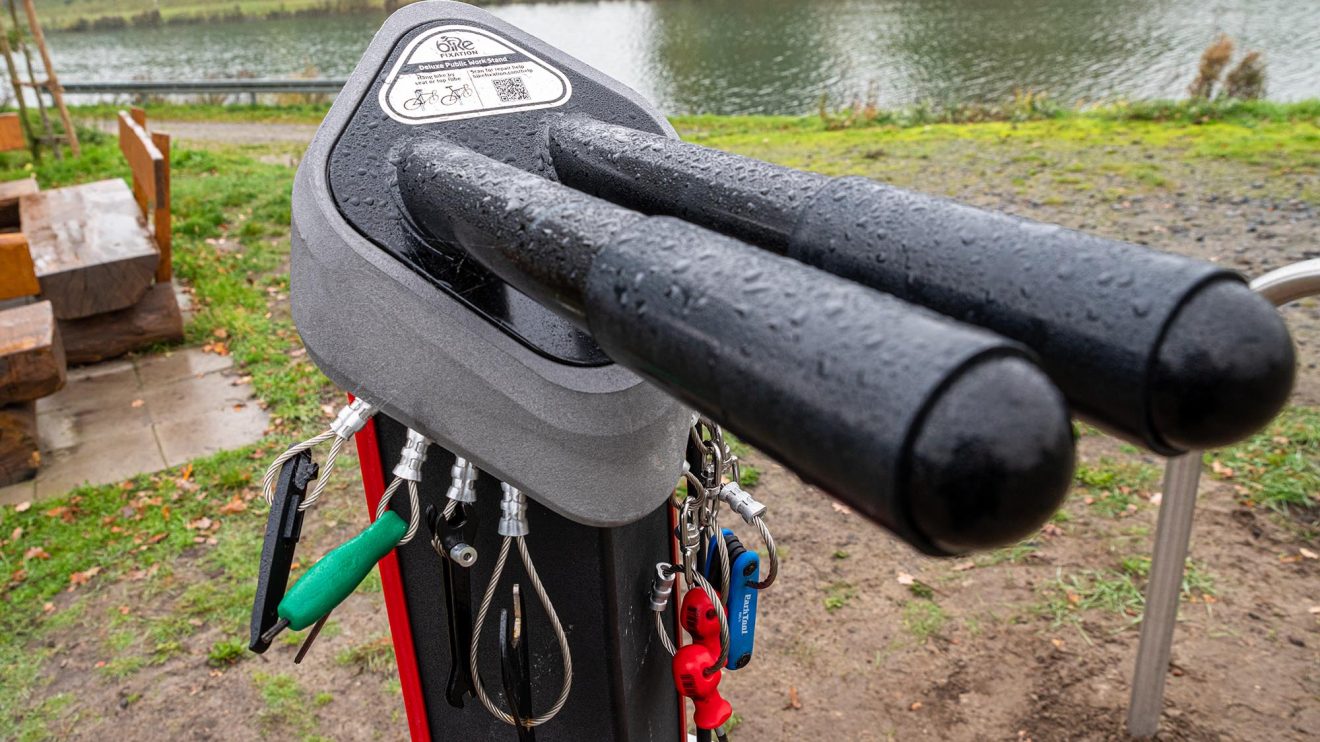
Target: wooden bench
{"points": [[32, 363], [103, 252]]}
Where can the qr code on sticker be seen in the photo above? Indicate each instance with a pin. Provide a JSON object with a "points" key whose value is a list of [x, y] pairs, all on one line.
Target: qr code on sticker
{"points": [[511, 89]]}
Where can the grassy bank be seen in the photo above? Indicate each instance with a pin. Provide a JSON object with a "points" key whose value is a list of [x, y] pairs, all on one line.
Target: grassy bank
{"points": [[132, 566], [1181, 112]]}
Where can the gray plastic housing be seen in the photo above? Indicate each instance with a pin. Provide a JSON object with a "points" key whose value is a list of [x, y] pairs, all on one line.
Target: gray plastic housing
{"points": [[597, 445]]}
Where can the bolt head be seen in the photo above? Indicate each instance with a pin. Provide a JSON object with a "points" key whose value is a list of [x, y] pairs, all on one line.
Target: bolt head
{"points": [[463, 555]]}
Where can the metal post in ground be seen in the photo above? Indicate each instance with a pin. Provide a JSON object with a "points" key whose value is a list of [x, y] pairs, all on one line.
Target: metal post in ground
{"points": [[1173, 534]]}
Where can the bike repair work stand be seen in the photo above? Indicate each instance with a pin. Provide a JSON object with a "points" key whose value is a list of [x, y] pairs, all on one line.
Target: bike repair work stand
{"points": [[510, 260]]}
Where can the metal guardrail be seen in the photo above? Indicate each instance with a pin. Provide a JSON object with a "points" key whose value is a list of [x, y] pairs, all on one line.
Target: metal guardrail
{"points": [[184, 87]]}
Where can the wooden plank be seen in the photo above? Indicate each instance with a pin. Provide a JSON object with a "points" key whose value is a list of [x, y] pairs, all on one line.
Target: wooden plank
{"points": [[91, 248], [161, 220], [144, 159], [19, 452], [11, 133], [18, 276], [31, 355], [155, 319]]}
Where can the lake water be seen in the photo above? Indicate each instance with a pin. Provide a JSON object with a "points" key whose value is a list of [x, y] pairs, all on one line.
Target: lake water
{"points": [[781, 56]]}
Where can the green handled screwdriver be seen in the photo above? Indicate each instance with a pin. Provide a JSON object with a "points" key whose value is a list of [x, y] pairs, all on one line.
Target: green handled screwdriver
{"points": [[334, 577]]}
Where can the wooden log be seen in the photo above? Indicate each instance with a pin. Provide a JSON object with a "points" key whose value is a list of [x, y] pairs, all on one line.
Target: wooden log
{"points": [[91, 247], [20, 455], [155, 319], [10, 192], [18, 277], [31, 355]]}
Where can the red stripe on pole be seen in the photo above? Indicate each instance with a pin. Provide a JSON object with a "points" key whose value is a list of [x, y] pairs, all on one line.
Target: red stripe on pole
{"points": [[396, 605]]}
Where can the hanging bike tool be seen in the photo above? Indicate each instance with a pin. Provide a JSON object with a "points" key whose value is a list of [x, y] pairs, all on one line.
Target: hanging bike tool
{"points": [[283, 528]]}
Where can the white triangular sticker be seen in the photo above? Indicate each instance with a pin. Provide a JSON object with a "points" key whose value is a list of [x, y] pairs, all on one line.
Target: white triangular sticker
{"points": [[458, 72]]}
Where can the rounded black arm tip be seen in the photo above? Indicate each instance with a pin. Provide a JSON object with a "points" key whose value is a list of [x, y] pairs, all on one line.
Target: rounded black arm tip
{"points": [[1223, 369], [992, 460]]}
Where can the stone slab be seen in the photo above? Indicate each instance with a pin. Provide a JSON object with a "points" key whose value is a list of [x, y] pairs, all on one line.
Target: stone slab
{"points": [[118, 419]]}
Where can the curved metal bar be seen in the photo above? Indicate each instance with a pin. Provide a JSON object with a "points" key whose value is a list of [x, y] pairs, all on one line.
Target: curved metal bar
{"points": [[1173, 533]]}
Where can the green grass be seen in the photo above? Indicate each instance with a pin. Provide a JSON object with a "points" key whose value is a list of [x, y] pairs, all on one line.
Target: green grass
{"points": [[1116, 488], [288, 707], [1115, 591], [1278, 467], [84, 14], [226, 653], [376, 656], [838, 595], [923, 619]]}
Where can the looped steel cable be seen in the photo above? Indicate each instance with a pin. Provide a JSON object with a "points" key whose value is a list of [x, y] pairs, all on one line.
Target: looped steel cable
{"points": [[774, 556], [562, 637], [414, 507], [323, 477], [273, 471]]}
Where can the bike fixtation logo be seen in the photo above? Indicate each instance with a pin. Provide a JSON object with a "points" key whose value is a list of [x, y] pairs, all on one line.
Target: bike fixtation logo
{"points": [[453, 46]]}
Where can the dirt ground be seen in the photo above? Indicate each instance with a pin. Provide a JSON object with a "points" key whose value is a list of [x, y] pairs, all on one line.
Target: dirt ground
{"points": [[991, 648]]}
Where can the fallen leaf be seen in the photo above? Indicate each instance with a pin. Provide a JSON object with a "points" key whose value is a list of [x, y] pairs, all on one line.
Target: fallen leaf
{"points": [[23, 507], [100, 664], [1050, 530], [793, 702], [964, 566], [48, 608], [157, 538], [17, 576], [1315, 609], [1220, 470], [187, 472], [1157, 498], [137, 403], [1308, 553], [1058, 643], [63, 512], [841, 508], [201, 524], [905, 579], [123, 610], [236, 505], [220, 333], [81, 578], [36, 552], [916, 706], [17, 534]]}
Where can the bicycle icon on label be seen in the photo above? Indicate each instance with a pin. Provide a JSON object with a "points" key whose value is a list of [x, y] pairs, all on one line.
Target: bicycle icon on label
{"points": [[422, 98], [456, 94]]}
